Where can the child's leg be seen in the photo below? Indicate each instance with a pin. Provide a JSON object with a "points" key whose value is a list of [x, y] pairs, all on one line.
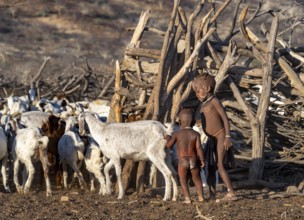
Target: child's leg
{"points": [[221, 169], [183, 173], [198, 183]]}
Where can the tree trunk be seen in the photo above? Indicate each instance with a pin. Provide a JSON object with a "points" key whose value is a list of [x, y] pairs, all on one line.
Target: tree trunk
{"points": [[258, 132]]}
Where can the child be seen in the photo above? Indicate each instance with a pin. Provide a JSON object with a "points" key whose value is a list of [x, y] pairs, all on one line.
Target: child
{"points": [[188, 147], [216, 126]]}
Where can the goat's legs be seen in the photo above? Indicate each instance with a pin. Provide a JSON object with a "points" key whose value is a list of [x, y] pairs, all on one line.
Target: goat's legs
{"points": [[107, 168], [58, 172], [16, 169], [153, 171], [46, 169], [174, 179], [119, 179], [3, 172], [82, 183], [162, 167], [92, 189], [65, 175], [101, 180], [31, 170], [24, 176]]}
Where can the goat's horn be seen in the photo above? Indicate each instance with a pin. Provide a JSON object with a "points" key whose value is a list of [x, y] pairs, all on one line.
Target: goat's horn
{"points": [[12, 93], [5, 92]]}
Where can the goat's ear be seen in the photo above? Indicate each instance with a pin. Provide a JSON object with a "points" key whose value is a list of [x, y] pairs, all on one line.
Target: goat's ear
{"points": [[12, 93], [64, 103], [44, 128], [54, 122]]}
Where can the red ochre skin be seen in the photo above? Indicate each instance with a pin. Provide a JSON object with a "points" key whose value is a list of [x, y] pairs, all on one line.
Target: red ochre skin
{"points": [[188, 148], [215, 124]]}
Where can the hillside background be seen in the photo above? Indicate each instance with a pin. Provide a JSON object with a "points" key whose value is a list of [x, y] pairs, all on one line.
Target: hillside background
{"points": [[70, 31]]}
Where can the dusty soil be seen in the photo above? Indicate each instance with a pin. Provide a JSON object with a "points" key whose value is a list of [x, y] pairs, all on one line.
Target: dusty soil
{"points": [[253, 204], [70, 31]]}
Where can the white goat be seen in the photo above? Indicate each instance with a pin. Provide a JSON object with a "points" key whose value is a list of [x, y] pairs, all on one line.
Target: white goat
{"points": [[99, 107], [34, 119], [28, 146], [17, 105], [140, 140], [3, 157], [94, 163], [71, 149]]}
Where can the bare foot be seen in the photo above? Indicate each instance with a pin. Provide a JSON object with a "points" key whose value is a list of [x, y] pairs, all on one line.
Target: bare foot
{"points": [[201, 199], [187, 201], [230, 197]]}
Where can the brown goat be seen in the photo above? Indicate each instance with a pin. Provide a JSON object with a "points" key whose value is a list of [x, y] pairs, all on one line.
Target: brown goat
{"points": [[54, 128]]}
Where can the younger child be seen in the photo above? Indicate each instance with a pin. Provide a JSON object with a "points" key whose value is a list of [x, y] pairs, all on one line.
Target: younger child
{"points": [[188, 148], [216, 126]]}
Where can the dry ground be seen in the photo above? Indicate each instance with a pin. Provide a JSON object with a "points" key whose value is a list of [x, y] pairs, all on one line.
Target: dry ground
{"points": [[253, 204], [69, 31]]}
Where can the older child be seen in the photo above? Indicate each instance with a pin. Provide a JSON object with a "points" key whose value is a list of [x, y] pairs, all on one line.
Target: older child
{"points": [[216, 126], [188, 148]]}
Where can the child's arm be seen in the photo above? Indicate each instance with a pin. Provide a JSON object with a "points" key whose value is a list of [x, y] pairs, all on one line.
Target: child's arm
{"points": [[199, 151], [219, 107], [171, 141]]}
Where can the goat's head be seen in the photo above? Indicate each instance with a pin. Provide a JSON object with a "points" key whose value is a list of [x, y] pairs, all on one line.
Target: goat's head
{"points": [[71, 123], [51, 125], [11, 127]]}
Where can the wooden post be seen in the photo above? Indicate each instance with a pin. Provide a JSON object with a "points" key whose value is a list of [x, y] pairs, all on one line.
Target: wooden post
{"points": [[257, 165]]}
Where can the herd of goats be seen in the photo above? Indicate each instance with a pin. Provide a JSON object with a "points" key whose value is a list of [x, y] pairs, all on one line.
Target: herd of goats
{"points": [[60, 134]]}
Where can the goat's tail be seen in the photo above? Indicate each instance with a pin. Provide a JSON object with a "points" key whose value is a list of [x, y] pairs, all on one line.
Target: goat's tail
{"points": [[42, 147], [43, 142], [80, 155]]}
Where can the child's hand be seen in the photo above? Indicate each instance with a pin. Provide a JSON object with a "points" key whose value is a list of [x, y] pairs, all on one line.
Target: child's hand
{"points": [[227, 143], [168, 137], [203, 163]]}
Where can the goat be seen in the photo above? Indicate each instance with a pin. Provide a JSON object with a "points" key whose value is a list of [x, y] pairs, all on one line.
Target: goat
{"points": [[4, 157], [99, 107], [94, 161], [71, 149], [53, 127], [140, 140], [18, 105], [28, 146], [54, 106]]}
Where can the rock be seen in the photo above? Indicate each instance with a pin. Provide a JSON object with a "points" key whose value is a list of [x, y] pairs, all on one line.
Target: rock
{"points": [[265, 190], [301, 187], [271, 193], [259, 197], [64, 198], [292, 189]]}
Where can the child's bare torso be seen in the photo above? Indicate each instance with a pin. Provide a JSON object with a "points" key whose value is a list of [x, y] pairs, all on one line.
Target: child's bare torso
{"points": [[211, 120], [186, 142]]}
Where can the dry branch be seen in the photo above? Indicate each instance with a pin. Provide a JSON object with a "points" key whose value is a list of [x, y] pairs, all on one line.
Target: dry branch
{"points": [[181, 73]]}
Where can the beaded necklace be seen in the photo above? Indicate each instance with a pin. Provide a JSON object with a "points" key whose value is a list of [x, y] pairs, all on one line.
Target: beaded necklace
{"points": [[206, 101]]}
